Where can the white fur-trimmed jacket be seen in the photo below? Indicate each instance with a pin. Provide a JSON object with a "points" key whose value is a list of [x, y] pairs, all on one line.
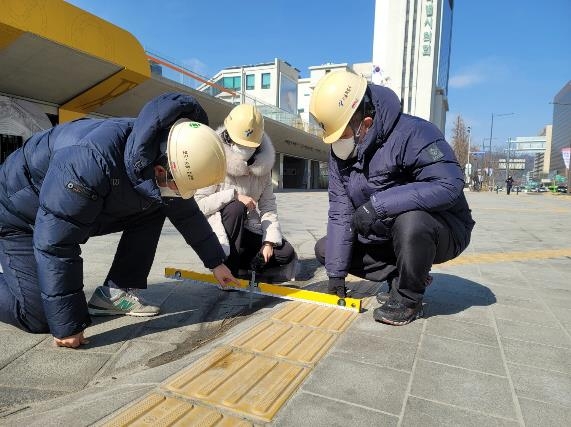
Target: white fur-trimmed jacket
{"points": [[254, 181]]}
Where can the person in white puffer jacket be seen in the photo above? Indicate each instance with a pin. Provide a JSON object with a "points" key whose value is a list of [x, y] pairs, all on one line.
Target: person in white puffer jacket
{"points": [[242, 210]]}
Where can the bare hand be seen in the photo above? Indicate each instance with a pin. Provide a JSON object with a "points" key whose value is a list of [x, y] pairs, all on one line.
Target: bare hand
{"points": [[224, 276], [248, 201], [72, 341], [267, 252]]}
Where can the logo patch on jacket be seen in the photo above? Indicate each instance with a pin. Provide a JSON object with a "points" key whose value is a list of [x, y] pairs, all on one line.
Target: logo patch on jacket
{"points": [[434, 153]]}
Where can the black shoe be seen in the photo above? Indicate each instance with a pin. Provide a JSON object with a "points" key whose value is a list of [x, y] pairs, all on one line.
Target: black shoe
{"points": [[383, 297], [393, 312]]}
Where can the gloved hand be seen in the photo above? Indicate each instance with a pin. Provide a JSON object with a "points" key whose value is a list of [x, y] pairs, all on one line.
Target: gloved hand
{"points": [[258, 263], [336, 286], [364, 218]]}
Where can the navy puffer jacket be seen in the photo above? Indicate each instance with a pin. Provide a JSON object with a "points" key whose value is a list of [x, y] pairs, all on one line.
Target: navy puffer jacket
{"points": [[81, 178], [403, 164]]}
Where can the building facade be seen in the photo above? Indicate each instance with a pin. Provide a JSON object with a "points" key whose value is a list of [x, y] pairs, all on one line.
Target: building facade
{"points": [[274, 87], [411, 54], [561, 140]]}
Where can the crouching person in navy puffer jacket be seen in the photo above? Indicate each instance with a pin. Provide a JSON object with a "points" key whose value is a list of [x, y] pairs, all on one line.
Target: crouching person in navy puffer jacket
{"points": [[396, 201], [93, 177]]}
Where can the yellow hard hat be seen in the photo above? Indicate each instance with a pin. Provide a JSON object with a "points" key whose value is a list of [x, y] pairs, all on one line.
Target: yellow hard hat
{"points": [[245, 125], [196, 156], [334, 101]]}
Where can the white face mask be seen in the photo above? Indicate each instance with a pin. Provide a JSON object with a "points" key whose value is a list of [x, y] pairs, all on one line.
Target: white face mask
{"points": [[243, 152], [345, 148], [167, 192]]}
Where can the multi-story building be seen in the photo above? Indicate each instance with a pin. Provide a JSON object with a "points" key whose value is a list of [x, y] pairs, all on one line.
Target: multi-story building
{"points": [[561, 142], [306, 85], [411, 54]]}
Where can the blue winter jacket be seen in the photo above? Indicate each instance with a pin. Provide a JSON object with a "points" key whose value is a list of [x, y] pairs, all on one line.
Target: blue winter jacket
{"points": [[403, 164], [81, 178]]}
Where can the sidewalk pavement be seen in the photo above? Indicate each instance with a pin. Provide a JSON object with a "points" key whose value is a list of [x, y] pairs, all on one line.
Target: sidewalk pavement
{"points": [[493, 348]]}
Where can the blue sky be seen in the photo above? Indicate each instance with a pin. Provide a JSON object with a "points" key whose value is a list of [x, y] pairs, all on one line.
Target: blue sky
{"points": [[508, 56]]}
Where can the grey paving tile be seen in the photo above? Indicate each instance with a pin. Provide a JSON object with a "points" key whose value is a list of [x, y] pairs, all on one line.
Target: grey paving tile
{"points": [[485, 393], [534, 317], [314, 411], [366, 324], [462, 354], [58, 369], [420, 412], [133, 357], [514, 301], [554, 301], [562, 314], [473, 314], [540, 356], [538, 384], [15, 397], [464, 331], [359, 383], [537, 334], [14, 343], [540, 414], [376, 350]]}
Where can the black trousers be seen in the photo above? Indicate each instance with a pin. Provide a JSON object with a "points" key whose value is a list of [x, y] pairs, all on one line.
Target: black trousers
{"points": [[419, 240], [20, 298], [244, 244]]}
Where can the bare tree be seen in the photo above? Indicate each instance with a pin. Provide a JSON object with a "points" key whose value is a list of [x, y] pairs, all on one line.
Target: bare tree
{"points": [[460, 140]]}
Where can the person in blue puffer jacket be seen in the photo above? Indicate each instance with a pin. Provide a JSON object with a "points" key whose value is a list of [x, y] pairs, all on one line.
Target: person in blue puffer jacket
{"points": [[396, 201], [93, 177]]}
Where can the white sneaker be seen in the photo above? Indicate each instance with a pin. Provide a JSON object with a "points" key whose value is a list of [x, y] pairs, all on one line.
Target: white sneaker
{"points": [[128, 302]]}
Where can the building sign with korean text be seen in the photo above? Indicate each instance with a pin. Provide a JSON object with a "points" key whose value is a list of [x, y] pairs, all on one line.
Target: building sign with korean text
{"points": [[427, 32]]}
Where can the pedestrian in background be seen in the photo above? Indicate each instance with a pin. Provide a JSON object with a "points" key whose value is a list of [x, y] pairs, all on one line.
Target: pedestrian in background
{"points": [[509, 184]]}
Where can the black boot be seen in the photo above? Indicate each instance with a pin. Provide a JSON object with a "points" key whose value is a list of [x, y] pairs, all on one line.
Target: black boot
{"points": [[394, 312]]}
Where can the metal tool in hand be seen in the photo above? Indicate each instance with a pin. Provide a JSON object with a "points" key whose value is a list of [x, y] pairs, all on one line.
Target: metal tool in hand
{"points": [[256, 265]]}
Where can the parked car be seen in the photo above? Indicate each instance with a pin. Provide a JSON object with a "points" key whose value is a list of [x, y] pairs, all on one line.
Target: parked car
{"points": [[561, 189], [542, 189]]}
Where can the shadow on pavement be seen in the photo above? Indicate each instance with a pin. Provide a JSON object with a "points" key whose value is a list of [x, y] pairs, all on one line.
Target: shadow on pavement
{"points": [[449, 294]]}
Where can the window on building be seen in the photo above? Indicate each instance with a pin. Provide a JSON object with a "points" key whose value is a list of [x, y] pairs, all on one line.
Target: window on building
{"points": [[265, 80], [250, 81], [232, 82]]}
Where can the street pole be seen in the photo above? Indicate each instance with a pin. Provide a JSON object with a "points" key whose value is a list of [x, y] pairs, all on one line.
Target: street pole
{"points": [[508, 159]]}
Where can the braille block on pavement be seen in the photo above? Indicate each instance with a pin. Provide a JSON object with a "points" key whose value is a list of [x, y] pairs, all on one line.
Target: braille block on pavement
{"points": [[157, 409], [329, 318], [246, 383]]}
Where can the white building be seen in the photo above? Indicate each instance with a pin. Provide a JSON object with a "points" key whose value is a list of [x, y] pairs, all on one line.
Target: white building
{"points": [[273, 88], [306, 85], [411, 54]]}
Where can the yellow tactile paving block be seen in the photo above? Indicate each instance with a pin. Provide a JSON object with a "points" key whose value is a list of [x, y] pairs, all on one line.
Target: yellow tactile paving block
{"points": [[245, 383], [490, 258], [159, 410], [294, 343], [327, 318]]}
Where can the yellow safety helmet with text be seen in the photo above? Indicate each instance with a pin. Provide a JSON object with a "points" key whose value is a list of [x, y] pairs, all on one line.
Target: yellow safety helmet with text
{"points": [[195, 155], [334, 101], [245, 125]]}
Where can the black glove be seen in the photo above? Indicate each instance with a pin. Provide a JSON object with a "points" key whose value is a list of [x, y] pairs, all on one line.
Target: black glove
{"points": [[258, 263], [336, 286], [364, 218]]}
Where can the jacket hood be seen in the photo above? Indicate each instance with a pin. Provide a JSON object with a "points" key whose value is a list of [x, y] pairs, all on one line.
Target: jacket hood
{"points": [[387, 112], [151, 128], [264, 159]]}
